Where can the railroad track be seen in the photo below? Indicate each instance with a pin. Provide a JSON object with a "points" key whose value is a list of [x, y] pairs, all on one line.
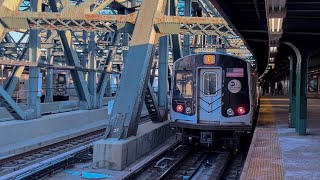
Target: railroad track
{"points": [[183, 162], [43, 161]]}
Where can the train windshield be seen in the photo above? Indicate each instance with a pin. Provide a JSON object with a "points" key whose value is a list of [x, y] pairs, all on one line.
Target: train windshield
{"points": [[184, 84]]}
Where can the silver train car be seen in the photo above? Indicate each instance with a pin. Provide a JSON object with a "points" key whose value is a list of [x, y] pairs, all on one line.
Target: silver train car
{"points": [[214, 96]]}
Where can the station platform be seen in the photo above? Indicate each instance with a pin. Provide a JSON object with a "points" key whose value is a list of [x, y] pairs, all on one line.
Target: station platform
{"points": [[51, 108], [61, 121], [276, 151]]}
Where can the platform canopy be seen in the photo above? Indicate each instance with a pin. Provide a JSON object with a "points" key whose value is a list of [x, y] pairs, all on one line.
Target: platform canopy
{"points": [[266, 24]]}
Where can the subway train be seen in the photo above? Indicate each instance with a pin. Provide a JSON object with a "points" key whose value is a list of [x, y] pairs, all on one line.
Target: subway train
{"points": [[214, 99]]}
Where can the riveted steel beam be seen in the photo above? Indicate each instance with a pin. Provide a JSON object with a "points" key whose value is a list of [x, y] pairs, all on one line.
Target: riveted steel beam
{"points": [[107, 65], [107, 23], [15, 75], [10, 62], [7, 5], [78, 77], [18, 70], [35, 80], [8, 103], [92, 74], [62, 22], [72, 59], [234, 51], [186, 38], [126, 111], [176, 46], [49, 78]]}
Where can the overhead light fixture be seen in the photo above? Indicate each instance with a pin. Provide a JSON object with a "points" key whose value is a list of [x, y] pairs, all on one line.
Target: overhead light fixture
{"points": [[276, 24], [273, 49], [271, 59]]}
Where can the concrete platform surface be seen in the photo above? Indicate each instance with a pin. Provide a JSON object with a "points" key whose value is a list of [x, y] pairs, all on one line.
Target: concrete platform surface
{"points": [[76, 172], [277, 152], [118, 154], [48, 108], [20, 136]]}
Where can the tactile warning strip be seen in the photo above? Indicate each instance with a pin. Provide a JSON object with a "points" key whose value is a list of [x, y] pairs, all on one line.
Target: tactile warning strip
{"points": [[264, 160]]}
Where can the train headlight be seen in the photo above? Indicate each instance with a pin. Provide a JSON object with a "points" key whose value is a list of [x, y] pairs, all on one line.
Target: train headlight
{"points": [[241, 110], [188, 110], [179, 108], [230, 112]]}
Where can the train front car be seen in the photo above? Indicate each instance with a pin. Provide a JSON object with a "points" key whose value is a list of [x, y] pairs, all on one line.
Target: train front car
{"points": [[213, 98]]}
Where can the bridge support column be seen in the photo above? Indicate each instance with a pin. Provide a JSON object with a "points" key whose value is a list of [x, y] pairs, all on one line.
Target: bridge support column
{"points": [[35, 81], [163, 71], [49, 78], [186, 38], [175, 40], [125, 115], [92, 74]]}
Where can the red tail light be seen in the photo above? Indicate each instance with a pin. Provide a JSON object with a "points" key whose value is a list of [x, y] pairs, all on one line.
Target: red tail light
{"points": [[179, 108], [241, 110]]}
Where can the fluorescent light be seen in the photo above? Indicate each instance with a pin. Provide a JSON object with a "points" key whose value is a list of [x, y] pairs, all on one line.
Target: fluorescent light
{"points": [[273, 49], [276, 24], [272, 24]]}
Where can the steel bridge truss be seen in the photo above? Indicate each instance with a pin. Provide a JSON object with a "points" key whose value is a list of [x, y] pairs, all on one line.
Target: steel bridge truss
{"points": [[83, 37]]}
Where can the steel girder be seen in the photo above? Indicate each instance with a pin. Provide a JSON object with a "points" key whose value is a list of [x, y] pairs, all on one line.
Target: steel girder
{"points": [[7, 5], [236, 51], [17, 71], [71, 56], [92, 74], [186, 38], [9, 62], [107, 65], [8, 103], [34, 79], [126, 111], [15, 75], [176, 45], [17, 20]]}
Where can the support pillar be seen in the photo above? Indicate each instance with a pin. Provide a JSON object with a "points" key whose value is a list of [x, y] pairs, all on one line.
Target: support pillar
{"points": [[176, 45], [92, 74], [186, 38], [301, 79], [163, 71], [4, 6], [49, 78], [72, 59], [35, 83], [302, 126], [125, 115], [292, 93], [104, 81], [108, 89]]}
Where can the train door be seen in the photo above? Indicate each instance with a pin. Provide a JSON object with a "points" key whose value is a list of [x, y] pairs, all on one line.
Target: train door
{"points": [[209, 95]]}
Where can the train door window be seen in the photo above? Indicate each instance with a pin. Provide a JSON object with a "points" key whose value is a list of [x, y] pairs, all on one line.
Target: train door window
{"points": [[210, 83], [61, 78]]}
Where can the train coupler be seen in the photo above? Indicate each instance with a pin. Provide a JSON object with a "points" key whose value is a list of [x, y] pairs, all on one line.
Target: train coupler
{"points": [[206, 137]]}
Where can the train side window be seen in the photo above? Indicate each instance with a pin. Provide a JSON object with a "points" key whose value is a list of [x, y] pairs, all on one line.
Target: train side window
{"points": [[210, 83]]}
